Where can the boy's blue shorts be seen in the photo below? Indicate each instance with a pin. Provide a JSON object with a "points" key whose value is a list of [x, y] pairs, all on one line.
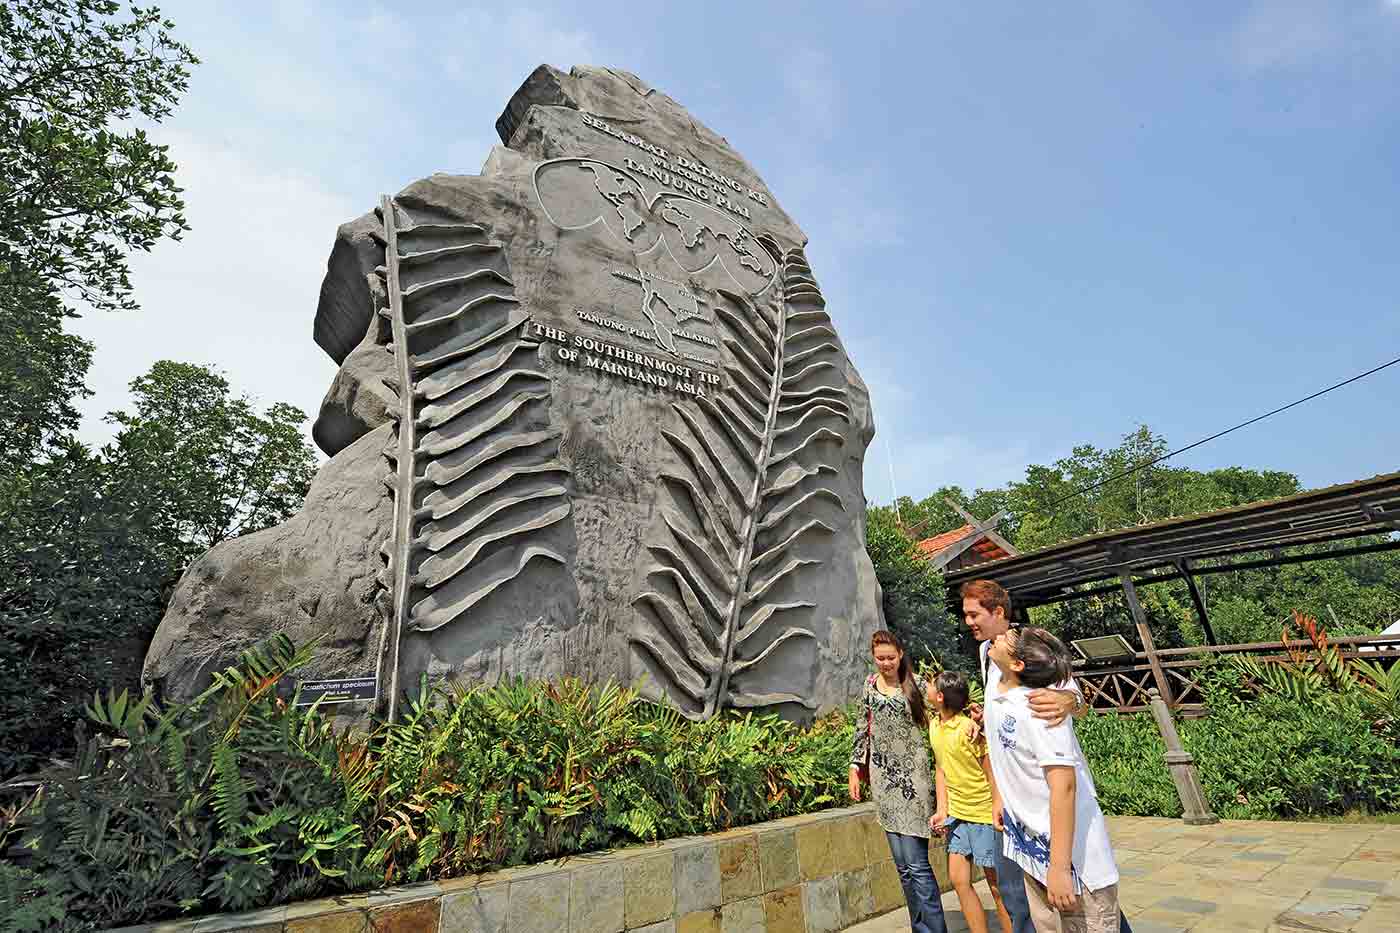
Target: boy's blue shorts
{"points": [[977, 841]]}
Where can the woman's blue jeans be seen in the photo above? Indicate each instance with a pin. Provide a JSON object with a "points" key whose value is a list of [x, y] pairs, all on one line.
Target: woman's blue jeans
{"points": [[920, 887]]}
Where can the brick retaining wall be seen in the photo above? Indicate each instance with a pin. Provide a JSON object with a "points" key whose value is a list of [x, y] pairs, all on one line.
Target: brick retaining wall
{"points": [[806, 874]]}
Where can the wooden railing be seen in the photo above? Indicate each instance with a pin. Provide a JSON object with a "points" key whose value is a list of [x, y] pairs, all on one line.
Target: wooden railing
{"points": [[1123, 687]]}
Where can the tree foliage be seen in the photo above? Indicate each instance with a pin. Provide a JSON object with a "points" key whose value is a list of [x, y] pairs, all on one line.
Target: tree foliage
{"points": [[1356, 595], [77, 584], [80, 184], [913, 597], [92, 541], [207, 464], [41, 370]]}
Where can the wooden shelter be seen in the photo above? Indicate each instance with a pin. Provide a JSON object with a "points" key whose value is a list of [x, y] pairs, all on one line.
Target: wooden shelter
{"points": [[1248, 537]]}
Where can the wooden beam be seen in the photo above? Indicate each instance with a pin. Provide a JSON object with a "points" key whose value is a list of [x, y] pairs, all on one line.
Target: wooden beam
{"points": [[1195, 809], [1066, 572], [989, 533], [1185, 567], [1148, 647], [1223, 568], [1380, 515]]}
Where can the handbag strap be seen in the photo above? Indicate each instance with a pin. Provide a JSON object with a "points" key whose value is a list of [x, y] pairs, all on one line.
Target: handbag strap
{"points": [[869, 720]]}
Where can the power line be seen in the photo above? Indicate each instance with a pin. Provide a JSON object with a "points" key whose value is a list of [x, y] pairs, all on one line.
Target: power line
{"points": [[1219, 434]]}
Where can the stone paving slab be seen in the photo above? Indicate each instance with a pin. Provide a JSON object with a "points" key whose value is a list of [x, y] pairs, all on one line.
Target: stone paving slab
{"points": [[1238, 876]]}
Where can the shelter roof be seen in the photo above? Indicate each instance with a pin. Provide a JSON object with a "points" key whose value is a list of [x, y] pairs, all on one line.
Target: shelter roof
{"points": [[1158, 550], [985, 548]]}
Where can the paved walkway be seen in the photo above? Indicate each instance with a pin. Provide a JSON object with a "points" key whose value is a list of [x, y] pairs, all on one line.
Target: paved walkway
{"points": [[1240, 877]]}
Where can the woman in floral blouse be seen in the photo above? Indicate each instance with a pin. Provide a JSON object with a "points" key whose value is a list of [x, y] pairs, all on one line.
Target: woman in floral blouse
{"points": [[891, 738]]}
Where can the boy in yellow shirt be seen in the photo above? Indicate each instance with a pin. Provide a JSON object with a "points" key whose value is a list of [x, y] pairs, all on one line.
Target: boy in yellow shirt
{"points": [[966, 799]]}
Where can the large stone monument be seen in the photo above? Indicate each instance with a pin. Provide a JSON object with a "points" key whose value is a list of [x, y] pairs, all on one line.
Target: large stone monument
{"points": [[592, 418]]}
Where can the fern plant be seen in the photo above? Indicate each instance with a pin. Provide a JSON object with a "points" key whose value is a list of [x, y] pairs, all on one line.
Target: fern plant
{"points": [[1315, 670], [1380, 689], [241, 799], [226, 803]]}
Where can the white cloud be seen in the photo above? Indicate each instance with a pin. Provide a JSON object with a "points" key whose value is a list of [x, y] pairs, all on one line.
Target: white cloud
{"points": [[238, 293]]}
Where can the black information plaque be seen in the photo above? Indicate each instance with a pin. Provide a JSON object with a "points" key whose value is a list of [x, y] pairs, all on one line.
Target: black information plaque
{"points": [[341, 690]]}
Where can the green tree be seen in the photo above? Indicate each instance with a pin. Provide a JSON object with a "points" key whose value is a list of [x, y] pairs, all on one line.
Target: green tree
{"points": [[1085, 493], [913, 596], [79, 589], [1357, 595], [90, 542], [207, 465], [41, 371], [1169, 615], [80, 187]]}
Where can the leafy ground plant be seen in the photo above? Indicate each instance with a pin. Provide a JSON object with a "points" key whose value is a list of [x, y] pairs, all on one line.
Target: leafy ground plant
{"points": [[232, 801], [241, 799], [1316, 671], [1260, 754]]}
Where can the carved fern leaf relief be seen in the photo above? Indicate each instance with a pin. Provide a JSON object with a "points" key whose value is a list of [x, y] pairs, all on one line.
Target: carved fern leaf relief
{"points": [[753, 492], [476, 477]]}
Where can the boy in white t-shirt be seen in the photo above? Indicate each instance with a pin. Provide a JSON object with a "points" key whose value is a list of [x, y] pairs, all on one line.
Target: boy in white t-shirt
{"points": [[1053, 827]]}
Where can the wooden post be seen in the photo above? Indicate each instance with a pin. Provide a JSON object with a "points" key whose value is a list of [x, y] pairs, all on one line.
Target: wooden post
{"points": [[1195, 810], [1185, 567], [1158, 674]]}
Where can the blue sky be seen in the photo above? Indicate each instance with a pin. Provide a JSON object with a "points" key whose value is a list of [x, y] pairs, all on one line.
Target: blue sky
{"points": [[1036, 225]]}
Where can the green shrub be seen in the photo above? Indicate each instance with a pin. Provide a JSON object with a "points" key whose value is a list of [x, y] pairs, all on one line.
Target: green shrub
{"points": [[1259, 757], [230, 802], [1125, 756], [28, 905], [240, 799], [526, 772]]}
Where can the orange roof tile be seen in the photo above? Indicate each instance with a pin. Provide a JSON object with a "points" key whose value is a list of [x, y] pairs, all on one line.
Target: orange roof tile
{"points": [[984, 548], [931, 546]]}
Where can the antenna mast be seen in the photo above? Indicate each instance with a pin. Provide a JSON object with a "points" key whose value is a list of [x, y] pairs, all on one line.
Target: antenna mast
{"points": [[895, 492]]}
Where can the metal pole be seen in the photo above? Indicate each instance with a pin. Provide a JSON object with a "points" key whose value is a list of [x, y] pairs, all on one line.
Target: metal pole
{"points": [[893, 491]]}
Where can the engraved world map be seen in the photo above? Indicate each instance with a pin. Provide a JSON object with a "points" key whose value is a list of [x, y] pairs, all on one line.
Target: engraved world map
{"points": [[697, 236]]}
